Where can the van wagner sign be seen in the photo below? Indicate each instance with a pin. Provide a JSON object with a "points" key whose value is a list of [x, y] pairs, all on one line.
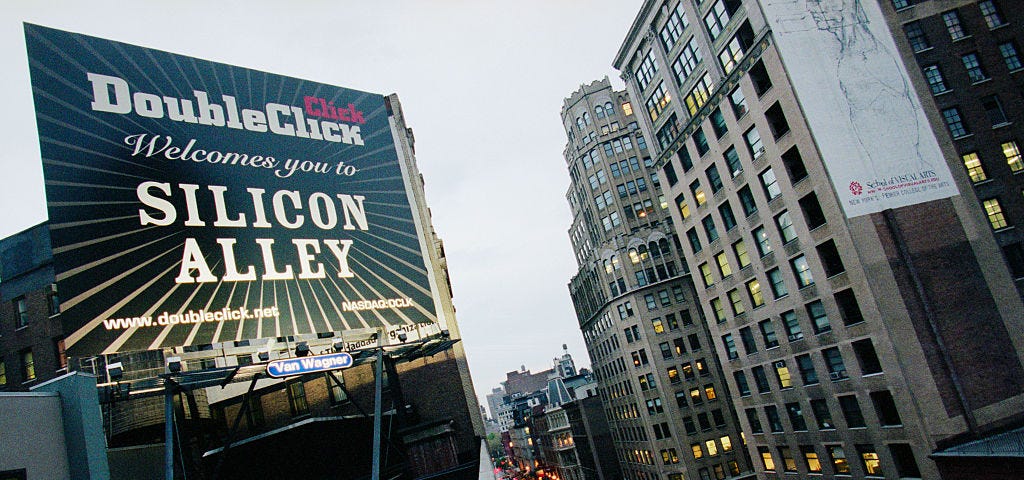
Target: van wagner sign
{"points": [[194, 202]]}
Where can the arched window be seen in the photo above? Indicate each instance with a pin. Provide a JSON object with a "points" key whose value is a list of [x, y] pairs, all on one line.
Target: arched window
{"points": [[642, 250], [579, 123], [607, 266], [586, 118], [633, 256], [655, 250], [609, 108], [615, 263], [599, 111]]}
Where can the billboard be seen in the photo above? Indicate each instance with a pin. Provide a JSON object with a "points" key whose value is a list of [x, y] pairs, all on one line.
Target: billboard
{"points": [[193, 202], [869, 125]]}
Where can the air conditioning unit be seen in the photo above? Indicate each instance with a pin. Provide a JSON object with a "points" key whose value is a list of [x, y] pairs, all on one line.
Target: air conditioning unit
{"points": [[837, 375], [795, 337]]}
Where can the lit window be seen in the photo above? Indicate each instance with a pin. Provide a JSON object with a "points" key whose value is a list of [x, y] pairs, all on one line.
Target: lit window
{"points": [[766, 457], [839, 463], [698, 192], [736, 301], [731, 55], [783, 376], [712, 447], [974, 168], [756, 296], [726, 443], [723, 264], [953, 26], [627, 108], [811, 457], [742, 257], [698, 452], [1013, 156], [657, 102], [995, 213], [699, 94], [3, 373], [705, 271], [764, 247], [709, 392], [28, 365]]}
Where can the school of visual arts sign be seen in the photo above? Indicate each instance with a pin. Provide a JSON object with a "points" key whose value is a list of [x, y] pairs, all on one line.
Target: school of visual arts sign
{"points": [[193, 202]]}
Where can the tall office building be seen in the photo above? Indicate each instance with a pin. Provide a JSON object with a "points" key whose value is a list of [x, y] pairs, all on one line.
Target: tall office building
{"points": [[859, 300], [661, 385]]}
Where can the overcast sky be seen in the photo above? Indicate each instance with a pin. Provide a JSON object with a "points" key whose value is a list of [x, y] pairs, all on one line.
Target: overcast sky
{"points": [[481, 82]]}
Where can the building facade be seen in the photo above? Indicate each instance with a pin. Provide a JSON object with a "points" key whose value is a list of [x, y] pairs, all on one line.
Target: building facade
{"points": [[965, 61], [663, 389], [853, 345]]}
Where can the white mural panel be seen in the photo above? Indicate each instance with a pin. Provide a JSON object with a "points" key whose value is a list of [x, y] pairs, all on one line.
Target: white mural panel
{"points": [[875, 141]]}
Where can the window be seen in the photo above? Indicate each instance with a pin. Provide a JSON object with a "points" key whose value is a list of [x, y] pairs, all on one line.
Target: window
{"points": [[915, 35], [770, 184], [839, 463], [816, 310], [21, 315], [694, 240], [736, 301], [657, 102], [754, 290], [849, 309], [869, 460], [822, 415], [995, 213], [687, 61], [673, 27], [644, 73], [759, 76], [709, 392], [669, 456], [254, 414], [53, 300], [1009, 52], [649, 300], [741, 381], [28, 365], [698, 192], [761, 379], [794, 165], [61, 353], [935, 81], [953, 26], [764, 247], [806, 366], [747, 201], [1013, 156], [337, 392], [3, 373], [740, 249], [811, 459], [793, 330], [627, 108], [718, 123], [739, 102], [851, 411], [705, 272], [699, 94], [768, 334], [885, 409], [973, 66], [903, 457], [754, 420], [625, 310], [716, 19], [754, 144], [723, 264], [782, 374], [802, 271], [709, 228], [776, 121], [718, 310], [774, 420], [779, 289], [714, 179], [698, 452], [867, 357], [992, 16], [673, 375], [830, 259], [731, 55], [766, 458], [639, 358], [747, 337], [974, 168], [954, 122], [297, 398], [834, 362], [813, 214], [785, 227]]}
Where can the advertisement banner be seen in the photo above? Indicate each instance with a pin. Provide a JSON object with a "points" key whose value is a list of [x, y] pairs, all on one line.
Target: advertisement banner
{"points": [[193, 202], [875, 141]]}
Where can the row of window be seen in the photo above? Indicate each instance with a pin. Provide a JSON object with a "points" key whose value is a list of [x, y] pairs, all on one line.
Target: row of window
{"points": [[882, 401], [976, 168], [836, 459], [954, 26], [864, 350]]}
